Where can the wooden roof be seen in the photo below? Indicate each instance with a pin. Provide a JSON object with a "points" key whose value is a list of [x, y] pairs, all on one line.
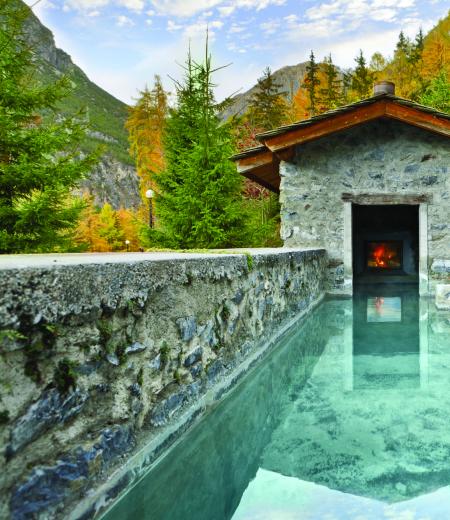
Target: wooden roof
{"points": [[261, 164]]}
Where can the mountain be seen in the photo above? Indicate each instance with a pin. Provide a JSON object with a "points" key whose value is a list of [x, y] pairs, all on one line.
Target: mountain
{"points": [[115, 179], [289, 78]]}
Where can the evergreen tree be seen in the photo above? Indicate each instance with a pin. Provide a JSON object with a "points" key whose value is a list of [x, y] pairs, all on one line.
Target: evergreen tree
{"points": [[198, 192], [403, 44], [40, 162], [347, 78], [362, 78], [417, 47], [311, 83], [330, 95], [437, 94], [268, 108]]}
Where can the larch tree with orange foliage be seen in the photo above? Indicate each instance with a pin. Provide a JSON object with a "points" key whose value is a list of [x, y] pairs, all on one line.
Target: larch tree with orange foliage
{"points": [[146, 125], [88, 235], [299, 106], [128, 223], [436, 51], [330, 93]]}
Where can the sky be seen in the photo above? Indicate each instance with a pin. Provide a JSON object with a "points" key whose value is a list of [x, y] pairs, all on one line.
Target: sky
{"points": [[122, 44]]}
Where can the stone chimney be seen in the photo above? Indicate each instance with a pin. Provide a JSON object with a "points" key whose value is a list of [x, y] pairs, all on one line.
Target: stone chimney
{"points": [[384, 87]]}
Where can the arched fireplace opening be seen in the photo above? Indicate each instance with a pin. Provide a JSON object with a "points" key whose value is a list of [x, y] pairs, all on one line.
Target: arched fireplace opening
{"points": [[386, 243]]}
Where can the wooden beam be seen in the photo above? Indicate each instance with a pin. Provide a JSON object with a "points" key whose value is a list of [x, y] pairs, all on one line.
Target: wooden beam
{"points": [[382, 199], [261, 178], [323, 127], [418, 118], [286, 155], [262, 158]]}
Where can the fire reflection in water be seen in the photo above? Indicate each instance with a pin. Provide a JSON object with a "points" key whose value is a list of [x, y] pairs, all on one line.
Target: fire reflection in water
{"points": [[384, 309]]}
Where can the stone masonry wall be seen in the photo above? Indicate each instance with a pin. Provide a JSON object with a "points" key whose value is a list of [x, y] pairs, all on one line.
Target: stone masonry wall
{"points": [[381, 157], [104, 355]]}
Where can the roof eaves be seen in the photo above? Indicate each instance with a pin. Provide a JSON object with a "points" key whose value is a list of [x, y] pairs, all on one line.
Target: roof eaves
{"points": [[348, 108], [249, 152]]}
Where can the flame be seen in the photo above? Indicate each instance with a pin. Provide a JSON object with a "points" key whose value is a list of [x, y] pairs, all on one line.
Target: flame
{"points": [[383, 256]]}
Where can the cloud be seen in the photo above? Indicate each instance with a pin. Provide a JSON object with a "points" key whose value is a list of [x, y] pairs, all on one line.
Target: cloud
{"points": [[291, 19], [358, 12], [172, 26], [183, 8], [236, 28], [402, 4], [84, 5], [187, 8], [226, 10], [132, 5], [198, 29], [124, 21], [90, 5], [384, 15], [270, 27]]}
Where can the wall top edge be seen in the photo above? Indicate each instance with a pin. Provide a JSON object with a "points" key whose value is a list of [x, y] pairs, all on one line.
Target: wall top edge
{"points": [[33, 261]]}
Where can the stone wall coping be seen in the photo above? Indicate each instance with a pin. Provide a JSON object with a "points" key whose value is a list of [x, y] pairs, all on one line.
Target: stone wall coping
{"points": [[12, 262]]}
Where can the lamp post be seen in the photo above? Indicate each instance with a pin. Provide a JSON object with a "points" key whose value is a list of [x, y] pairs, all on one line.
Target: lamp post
{"points": [[127, 243], [149, 194]]}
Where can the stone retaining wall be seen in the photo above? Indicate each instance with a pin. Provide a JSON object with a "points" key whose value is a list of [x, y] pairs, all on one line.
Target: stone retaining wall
{"points": [[106, 359]]}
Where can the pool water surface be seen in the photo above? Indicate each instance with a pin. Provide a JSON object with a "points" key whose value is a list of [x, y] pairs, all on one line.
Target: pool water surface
{"points": [[348, 418]]}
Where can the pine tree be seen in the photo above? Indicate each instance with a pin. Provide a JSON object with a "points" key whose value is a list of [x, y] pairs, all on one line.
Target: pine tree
{"points": [[198, 192], [417, 48], [347, 79], [362, 78], [330, 95], [267, 108], [311, 83], [403, 44], [40, 161]]}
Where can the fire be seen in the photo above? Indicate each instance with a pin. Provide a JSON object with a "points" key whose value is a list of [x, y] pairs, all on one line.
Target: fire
{"points": [[384, 256]]}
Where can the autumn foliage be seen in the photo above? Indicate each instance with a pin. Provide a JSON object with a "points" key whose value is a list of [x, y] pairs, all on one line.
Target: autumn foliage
{"points": [[103, 229]]}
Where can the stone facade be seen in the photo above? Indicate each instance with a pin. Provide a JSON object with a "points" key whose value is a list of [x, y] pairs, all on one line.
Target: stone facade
{"points": [[107, 359], [379, 157]]}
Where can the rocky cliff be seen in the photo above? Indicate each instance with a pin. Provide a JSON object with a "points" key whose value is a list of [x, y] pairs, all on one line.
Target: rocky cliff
{"points": [[115, 179], [289, 78]]}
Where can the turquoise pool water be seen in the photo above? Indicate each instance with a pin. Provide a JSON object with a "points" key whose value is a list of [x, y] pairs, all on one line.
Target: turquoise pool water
{"points": [[349, 418]]}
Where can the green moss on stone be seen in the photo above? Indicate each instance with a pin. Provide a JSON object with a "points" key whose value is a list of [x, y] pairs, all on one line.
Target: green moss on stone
{"points": [[249, 261], [65, 376], [140, 377], [4, 417], [164, 353]]}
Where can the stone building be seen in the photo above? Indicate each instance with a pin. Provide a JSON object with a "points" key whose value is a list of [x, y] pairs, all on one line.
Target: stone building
{"points": [[369, 182]]}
